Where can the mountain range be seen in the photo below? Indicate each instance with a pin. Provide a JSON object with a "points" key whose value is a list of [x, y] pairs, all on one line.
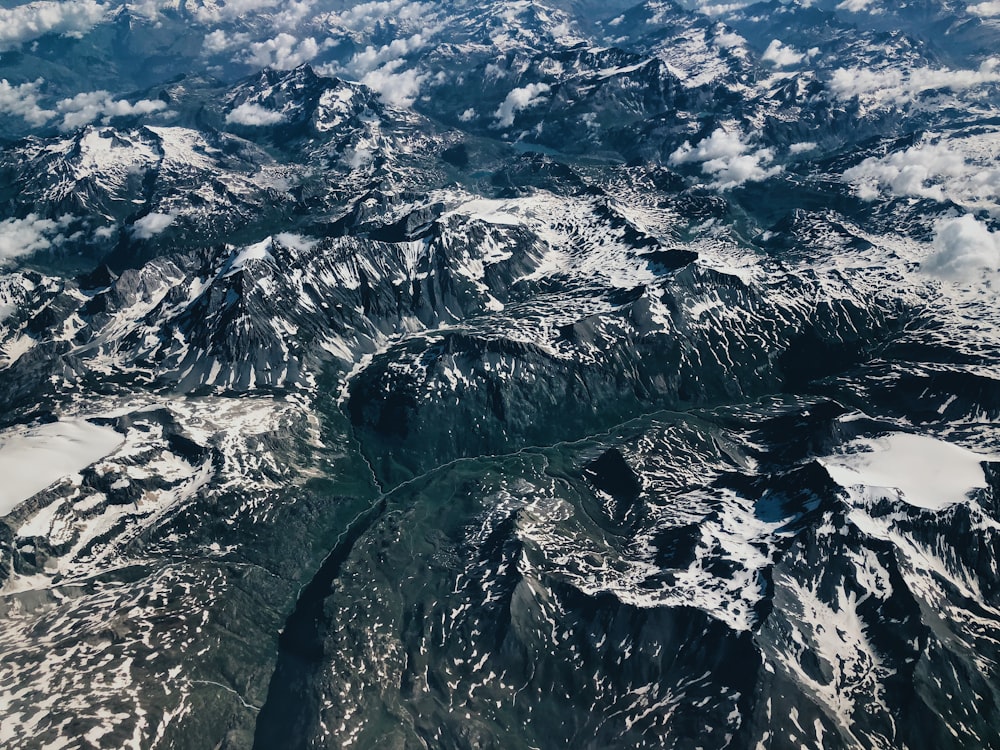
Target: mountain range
{"points": [[513, 374]]}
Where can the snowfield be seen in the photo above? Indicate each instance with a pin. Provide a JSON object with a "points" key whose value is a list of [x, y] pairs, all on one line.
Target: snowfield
{"points": [[32, 458]]}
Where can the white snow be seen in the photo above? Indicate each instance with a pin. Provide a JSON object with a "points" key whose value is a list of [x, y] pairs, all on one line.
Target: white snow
{"points": [[609, 72], [929, 473], [258, 251], [32, 458], [489, 210], [262, 250]]}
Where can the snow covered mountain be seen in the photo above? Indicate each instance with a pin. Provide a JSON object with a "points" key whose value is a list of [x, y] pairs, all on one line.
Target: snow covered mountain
{"points": [[499, 375]]}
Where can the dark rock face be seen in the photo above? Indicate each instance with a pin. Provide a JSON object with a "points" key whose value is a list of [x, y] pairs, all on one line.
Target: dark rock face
{"points": [[612, 475]]}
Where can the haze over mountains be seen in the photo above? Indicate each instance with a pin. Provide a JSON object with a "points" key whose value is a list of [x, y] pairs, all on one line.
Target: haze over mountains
{"points": [[499, 375]]}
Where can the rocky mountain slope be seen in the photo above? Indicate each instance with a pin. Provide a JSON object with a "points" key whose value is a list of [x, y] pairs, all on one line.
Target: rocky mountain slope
{"points": [[518, 375]]}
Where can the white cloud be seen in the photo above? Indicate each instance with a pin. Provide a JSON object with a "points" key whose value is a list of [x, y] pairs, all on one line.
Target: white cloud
{"points": [[82, 109], [397, 87], [715, 8], [854, 6], [964, 250], [22, 101], [212, 11], [32, 20], [382, 68], [149, 9], [937, 171], [730, 173], [780, 55], [518, 99], [292, 13], [725, 156], [899, 86], [151, 224], [122, 108], [987, 9], [801, 148], [254, 115], [729, 40], [720, 144], [19, 237], [283, 52], [379, 68], [364, 16], [468, 115], [373, 57], [219, 41], [86, 107]]}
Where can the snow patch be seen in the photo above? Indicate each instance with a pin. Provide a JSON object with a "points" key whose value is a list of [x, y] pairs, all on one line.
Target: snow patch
{"points": [[929, 473], [258, 251], [32, 458]]}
